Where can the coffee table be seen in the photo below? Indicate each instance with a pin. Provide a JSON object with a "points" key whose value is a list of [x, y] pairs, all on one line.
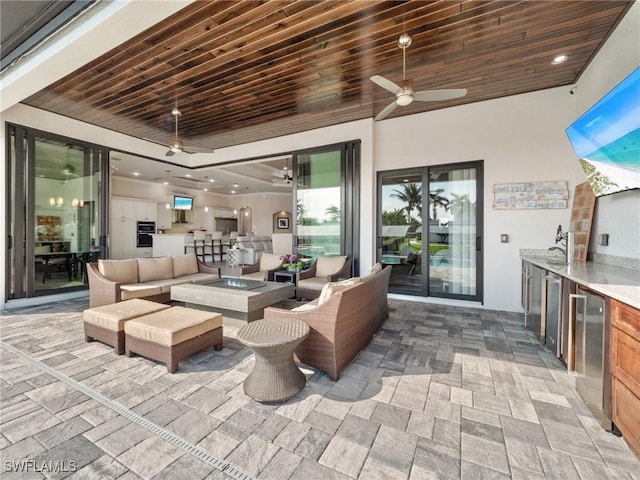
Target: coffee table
{"points": [[239, 301]]}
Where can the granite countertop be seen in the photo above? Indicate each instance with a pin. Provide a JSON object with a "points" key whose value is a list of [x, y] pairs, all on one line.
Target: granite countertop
{"points": [[618, 283]]}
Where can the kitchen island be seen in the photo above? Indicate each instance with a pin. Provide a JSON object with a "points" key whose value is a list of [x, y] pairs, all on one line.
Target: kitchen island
{"points": [[170, 244]]}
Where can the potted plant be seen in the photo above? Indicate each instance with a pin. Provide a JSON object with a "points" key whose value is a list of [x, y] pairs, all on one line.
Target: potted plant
{"points": [[291, 262]]}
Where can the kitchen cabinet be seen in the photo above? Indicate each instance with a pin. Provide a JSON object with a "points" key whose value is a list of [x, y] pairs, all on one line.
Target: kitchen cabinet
{"points": [[164, 217], [146, 211], [625, 372], [203, 220], [123, 208], [122, 238], [124, 214], [144, 252]]}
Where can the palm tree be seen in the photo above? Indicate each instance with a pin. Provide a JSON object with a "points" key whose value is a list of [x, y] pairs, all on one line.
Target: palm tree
{"points": [[412, 195], [333, 213], [396, 217], [438, 200]]}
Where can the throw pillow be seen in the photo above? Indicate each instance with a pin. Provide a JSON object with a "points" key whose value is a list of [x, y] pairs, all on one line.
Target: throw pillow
{"points": [[333, 287], [377, 268]]}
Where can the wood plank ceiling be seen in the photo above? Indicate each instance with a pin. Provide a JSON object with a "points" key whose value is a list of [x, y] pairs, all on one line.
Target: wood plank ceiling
{"points": [[250, 70]]}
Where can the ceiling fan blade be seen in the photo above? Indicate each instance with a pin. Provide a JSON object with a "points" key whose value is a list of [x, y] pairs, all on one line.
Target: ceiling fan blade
{"points": [[386, 84], [197, 150], [435, 95], [386, 111], [156, 142]]}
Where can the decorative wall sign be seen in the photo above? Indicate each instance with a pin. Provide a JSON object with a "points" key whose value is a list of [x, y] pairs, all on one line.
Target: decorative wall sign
{"points": [[530, 195]]}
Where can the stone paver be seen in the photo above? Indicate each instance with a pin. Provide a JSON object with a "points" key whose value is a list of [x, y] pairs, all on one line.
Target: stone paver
{"points": [[440, 392]]}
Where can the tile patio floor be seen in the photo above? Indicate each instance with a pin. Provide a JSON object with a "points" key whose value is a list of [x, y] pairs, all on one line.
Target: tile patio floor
{"points": [[440, 392]]}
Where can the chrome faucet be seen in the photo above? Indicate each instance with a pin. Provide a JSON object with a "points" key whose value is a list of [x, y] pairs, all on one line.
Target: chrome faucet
{"points": [[567, 248]]}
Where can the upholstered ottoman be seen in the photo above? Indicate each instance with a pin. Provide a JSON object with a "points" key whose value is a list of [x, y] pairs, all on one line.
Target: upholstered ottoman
{"points": [[174, 334], [106, 323]]}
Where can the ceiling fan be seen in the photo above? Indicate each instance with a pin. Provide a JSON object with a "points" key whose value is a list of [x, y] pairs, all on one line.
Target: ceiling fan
{"points": [[177, 145], [287, 178], [405, 94]]}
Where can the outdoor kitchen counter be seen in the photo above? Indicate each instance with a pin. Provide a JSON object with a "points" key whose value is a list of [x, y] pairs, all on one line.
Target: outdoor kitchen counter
{"points": [[621, 284]]}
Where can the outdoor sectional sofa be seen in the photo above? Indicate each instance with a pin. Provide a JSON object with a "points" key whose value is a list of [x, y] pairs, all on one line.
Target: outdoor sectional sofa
{"points": [[342, 323], [112, 281]]}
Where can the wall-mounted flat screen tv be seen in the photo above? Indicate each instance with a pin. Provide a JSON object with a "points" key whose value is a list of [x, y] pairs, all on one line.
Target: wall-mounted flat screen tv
{"points": [[607, 139], [182, 203]]}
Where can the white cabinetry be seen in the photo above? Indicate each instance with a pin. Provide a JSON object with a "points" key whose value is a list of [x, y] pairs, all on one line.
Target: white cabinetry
{"points": [[164, 217], [124, 214], [122, 238], [202, 220], [146, 211], [123, 208]]}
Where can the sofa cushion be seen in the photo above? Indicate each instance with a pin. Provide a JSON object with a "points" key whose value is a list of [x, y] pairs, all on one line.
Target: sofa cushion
{"points": [[269, 261], [173, 326], [113, 316], [184, 265], [306, 306], [313, 283], [154, 268], [333, 287], [138, 290], [326, 266], [121, 271]]}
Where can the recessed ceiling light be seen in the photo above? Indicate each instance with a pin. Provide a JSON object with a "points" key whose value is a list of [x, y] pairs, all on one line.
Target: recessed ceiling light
{"points": [[188, 175], [235, 185], [233, 191], [165, 182], [205, 189], [211, 180], [558, 59], [136, 174]]}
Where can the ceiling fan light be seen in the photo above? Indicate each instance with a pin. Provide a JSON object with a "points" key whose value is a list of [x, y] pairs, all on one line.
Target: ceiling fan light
{"points": [[404, 99]]}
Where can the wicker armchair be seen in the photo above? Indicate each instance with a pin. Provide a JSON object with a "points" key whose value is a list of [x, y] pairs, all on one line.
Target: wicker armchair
{"points": [[264, 269], [325, 269], [341, 326]]}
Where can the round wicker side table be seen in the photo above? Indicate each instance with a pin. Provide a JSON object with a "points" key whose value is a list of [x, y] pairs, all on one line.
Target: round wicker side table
{"points": [[275, 376]]}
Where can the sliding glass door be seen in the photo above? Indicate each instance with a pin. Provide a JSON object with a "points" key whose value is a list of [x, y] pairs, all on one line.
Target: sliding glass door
{"points": [[56, 217], [430, 230], [326, 197]]}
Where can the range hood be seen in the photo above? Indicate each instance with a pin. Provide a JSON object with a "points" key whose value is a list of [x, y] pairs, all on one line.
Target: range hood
{"points": [[181, 216]]}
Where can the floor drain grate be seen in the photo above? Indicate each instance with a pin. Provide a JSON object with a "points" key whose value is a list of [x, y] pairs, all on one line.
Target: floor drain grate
{"points": [[225, 467]]}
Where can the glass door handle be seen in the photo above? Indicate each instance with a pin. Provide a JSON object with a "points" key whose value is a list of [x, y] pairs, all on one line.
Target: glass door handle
{"points": [[478, 244], [571, 340]]}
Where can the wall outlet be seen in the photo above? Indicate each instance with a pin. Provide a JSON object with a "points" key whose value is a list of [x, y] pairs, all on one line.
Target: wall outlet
{"points": [[504, 238], [604, 239]]}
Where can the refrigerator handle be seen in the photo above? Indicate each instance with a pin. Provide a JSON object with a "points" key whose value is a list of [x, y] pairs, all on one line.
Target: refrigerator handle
{"points": [[571, 340]]}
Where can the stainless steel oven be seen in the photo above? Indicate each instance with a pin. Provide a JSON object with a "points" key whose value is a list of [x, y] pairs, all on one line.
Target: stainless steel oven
{"points": [[145, 229]]}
